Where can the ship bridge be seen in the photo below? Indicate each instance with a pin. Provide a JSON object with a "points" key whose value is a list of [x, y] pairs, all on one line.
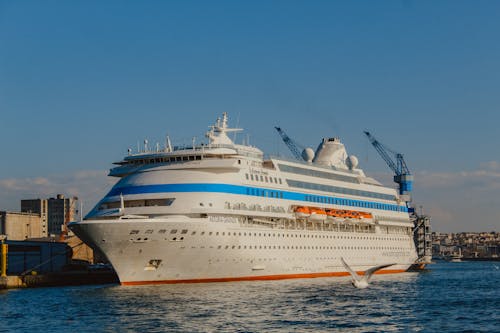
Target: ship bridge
{"points": [[220, 146]]}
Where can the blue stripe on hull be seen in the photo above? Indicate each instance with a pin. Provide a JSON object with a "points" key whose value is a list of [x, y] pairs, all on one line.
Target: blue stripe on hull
{"points": [[252, 191]]}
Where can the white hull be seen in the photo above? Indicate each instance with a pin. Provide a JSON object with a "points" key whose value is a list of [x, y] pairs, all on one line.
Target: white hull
{"points": [[224, 251]]}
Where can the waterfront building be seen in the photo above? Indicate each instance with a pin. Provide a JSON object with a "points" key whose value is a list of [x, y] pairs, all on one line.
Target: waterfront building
{"points": [[20, 226], [37, 206], [470, 244], [41, 257], [54, 212]]}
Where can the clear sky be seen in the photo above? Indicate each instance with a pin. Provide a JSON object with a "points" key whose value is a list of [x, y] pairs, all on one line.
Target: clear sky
{"points": [[81, 81]]}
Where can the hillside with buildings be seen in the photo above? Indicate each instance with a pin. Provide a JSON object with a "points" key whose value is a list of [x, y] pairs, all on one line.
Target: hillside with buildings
{"points": [[470, 245]]}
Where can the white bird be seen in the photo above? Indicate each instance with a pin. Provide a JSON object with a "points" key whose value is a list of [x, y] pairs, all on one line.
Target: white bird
{"points": [[361, 282]]}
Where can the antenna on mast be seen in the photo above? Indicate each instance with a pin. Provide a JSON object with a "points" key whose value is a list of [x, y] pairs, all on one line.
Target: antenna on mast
{"points": [[237, 124]]}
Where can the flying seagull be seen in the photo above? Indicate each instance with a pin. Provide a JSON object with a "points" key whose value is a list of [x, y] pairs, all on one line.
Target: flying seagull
{"points": [[361, 282]]}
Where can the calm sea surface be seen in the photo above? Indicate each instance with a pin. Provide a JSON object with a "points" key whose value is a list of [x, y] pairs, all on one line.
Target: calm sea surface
{"points": [[452, 297]]}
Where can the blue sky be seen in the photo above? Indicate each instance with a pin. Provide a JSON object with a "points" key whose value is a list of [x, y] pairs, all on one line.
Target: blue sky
{"points": [[81, 81]]}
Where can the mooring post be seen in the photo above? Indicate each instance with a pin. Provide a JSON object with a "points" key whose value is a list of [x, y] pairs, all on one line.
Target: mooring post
{"points": [[4, 249]]}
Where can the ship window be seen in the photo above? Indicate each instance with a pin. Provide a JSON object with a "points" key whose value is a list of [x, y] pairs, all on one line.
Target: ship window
{"points": [[155, 202], [246, 176], [261, 178], [149, 231], [193, 233], [251, 177], [134, 232], [279, 180], [270, 179], [267, 181], [184, 231], [185, 158], [191, 158], [198, 157], [173, 231]]}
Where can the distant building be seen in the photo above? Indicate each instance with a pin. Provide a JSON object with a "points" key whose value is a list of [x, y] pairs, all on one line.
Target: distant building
{"points": [[37, 206], [20, 226], [54, 212]]}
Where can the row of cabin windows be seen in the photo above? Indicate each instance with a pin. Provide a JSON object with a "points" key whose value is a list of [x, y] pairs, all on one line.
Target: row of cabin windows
{"points": [[353, 203], [166, 159], [323, 199], [260, 234], [267, 179], [291, 247], [265, 193], [336, 189], [317, 173], [137, 203], [299, 247]]}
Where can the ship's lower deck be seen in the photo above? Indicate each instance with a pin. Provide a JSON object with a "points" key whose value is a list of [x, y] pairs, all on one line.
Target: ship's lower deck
{"points": [[217, 248]]}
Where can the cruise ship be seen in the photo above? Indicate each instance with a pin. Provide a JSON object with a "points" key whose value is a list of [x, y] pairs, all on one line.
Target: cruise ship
{"points": [[221, 211]]}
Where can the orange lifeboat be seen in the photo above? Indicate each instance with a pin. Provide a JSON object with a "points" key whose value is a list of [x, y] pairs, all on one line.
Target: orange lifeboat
{"points": [[355, 215], [343, 213], [317, 214], [334, 214], [302, 211], [365, 215]]}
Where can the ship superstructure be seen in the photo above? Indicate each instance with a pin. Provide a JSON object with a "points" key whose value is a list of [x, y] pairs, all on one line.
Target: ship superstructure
{"points": [[220, 211]]}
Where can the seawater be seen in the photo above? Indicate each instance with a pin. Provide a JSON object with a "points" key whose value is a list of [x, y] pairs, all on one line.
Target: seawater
{"points": [[451, 297]]}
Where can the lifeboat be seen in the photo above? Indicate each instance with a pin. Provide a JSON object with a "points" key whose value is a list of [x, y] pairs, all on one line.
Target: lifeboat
{"points": [[354, 215], [317, 214], [302, 211], [333, 213], [365, 215]]}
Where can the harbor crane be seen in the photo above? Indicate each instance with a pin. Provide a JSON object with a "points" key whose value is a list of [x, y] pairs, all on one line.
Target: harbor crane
{"points": [[402, 175], [404, 179], [294, 147]]}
